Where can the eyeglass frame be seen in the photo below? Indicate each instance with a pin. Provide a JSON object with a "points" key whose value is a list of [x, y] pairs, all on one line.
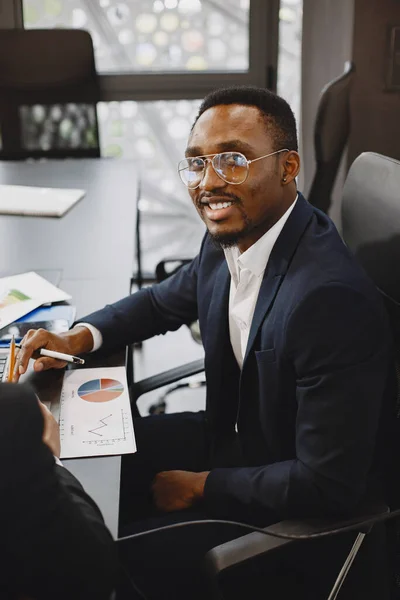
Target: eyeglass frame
{"points": [[205, 158]]}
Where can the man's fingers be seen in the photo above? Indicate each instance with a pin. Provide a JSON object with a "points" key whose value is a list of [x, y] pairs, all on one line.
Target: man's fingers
{"points": [[31, 343], [30, 348], [42, 364], [43, 408], [22, 357], [51, 431]]}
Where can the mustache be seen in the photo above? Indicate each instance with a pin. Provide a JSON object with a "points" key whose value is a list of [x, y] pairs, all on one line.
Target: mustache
{"points": [[203, 197]]}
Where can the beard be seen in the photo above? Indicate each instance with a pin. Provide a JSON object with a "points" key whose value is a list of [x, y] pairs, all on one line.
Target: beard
{"points": [[232, 238]]}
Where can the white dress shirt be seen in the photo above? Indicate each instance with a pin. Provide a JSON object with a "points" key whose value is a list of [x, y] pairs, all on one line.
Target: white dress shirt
{"points": [[247, 271], [96, 335]]}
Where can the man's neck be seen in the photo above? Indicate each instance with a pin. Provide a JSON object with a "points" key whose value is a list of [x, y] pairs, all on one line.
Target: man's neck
{"points": [[259, 232]]}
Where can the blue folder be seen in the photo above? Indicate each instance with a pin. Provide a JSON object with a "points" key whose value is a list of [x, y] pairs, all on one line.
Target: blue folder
{"points": [[56, 318]]}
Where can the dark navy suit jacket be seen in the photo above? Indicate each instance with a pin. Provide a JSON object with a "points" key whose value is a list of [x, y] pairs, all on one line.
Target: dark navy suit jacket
{"points": [[309, 398]]}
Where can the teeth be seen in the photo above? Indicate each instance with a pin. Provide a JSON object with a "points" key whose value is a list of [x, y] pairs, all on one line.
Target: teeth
{"points": [[220, 205]]}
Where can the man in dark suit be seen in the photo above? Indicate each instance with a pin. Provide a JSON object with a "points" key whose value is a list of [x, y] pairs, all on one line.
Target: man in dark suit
{"points": [[297, 358], [54, 543]]}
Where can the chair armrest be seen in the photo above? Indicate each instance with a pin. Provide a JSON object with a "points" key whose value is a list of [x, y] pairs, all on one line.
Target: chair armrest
{"points": [[252, 545], [166, 377], [161, 267]]}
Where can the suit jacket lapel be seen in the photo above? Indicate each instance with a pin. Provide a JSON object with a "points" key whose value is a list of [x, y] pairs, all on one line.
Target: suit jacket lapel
{"points": [[221, 366], [278, 264], [217, 320]]}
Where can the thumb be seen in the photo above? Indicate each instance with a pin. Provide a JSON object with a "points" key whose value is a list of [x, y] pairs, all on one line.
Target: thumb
{"points": [[42, 364], [43, 408]]}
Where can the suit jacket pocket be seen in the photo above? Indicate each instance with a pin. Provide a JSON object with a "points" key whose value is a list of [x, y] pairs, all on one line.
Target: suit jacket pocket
{"points": [[265, 356]]}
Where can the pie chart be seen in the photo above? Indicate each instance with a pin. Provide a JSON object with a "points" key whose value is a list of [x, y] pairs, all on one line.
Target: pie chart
{"points": [[100, 390]]}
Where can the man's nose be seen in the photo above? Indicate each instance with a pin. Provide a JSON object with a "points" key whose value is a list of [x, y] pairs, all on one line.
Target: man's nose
{"points": [[210, 178]]}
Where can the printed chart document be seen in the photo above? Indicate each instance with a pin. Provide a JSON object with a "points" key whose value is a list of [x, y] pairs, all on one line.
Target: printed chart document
{"points": [[37, 201], [20, 294], [95, 413]]}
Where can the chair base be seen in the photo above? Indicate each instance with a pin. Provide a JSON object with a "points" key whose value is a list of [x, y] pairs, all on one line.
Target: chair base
{"points": [[346, 566]]}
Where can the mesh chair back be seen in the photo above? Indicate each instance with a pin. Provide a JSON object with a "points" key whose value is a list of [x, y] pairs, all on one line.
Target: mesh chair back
{"points": [[371, 228], [331, 131], [48, 94]]}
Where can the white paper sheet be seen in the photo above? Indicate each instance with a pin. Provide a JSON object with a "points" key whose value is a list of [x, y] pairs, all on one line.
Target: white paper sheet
{"points": [[20, 294], [37, 201], [95, 413]]}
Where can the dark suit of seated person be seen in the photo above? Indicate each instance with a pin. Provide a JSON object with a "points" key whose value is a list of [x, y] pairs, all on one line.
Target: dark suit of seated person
{"points": [[54, 544], [298, 366]]}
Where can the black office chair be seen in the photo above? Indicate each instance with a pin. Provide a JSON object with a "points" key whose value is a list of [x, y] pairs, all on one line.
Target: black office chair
{"points": [[371, 226], [48, 94], [331, 131]]}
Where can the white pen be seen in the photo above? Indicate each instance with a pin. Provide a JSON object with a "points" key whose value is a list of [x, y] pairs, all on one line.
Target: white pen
{"points": [[59, 356]]}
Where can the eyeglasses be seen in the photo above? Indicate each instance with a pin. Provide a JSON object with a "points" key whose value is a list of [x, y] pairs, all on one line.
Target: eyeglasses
{"points": [[231, 167]]}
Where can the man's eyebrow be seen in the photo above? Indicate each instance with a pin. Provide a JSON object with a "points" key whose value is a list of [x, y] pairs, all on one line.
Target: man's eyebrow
{"points": [[237, 145], [234, 145], [193, 151]]}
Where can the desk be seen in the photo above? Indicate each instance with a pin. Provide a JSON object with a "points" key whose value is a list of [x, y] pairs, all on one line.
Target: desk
{"points": [[92, 239], [93, 248]]}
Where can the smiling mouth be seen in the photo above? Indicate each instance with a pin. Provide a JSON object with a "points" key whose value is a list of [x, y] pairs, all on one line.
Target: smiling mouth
{"points": [[218, 211], [218, 205]]}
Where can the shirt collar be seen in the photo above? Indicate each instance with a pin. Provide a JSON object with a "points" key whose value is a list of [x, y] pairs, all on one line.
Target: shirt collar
{"points": [[256, 257]]}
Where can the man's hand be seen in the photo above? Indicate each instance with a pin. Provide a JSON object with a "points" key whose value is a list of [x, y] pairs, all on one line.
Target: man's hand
{"points": [[75, 341], [177, 490], [51, 431]]}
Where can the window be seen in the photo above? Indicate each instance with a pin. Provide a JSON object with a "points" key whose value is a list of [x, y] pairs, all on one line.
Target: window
{"points": [[156, 59], [158, 36], [289, 59], [164, 49], [154, 134]]}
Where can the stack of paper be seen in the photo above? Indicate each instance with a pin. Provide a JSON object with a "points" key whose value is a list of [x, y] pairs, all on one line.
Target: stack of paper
{"points": [[56, 318], [36, 201], [21, 294]]}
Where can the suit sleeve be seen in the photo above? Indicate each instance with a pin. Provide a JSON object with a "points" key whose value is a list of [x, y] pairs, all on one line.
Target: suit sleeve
{"points": [[338, 346], [151, 311], [53, 535]]}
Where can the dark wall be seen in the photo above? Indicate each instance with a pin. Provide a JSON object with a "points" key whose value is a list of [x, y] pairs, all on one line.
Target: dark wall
{"points": [[375, 111]]}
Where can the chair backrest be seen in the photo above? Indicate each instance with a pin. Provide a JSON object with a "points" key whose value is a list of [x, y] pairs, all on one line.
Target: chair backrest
{"points": [[371, 219], [331, 131], [48, 94], [371, 229]]}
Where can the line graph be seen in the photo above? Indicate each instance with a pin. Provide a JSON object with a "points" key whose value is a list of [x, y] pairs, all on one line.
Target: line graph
{"points": [[103, 424], [95, 413], [118, 430]]}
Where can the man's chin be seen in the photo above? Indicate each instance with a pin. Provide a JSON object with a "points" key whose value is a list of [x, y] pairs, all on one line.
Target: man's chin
{"points": [[227, 239]]}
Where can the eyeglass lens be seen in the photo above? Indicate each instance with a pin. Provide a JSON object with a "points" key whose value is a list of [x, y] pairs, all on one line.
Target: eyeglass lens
{"points": [[232, 167]]}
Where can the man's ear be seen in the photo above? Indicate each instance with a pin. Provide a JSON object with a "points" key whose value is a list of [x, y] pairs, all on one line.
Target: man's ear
{"points": [[290, 167]]}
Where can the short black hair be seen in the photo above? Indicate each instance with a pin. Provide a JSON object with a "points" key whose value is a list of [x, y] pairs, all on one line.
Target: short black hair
{"points": [[276, 111]]}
